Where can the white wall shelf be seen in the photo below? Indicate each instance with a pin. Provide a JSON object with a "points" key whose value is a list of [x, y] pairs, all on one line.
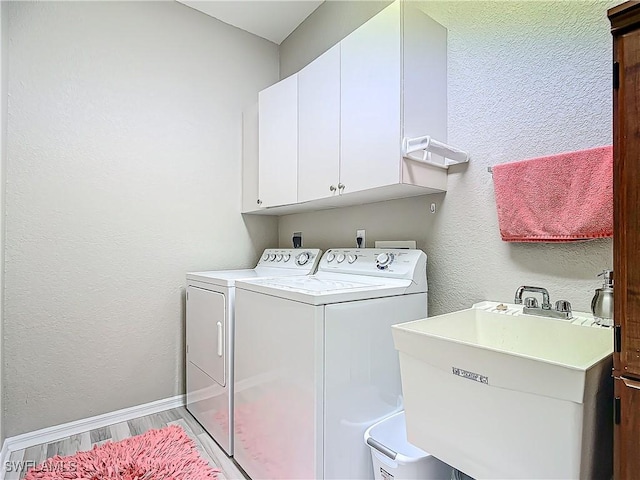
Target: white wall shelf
{"points": [[421, 148]]}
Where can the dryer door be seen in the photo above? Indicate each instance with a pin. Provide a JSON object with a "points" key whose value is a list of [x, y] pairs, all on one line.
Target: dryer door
{"points": [[206, 328]]}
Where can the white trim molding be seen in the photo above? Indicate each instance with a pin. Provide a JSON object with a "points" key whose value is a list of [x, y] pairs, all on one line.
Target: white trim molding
{"points": [[64, 430]]}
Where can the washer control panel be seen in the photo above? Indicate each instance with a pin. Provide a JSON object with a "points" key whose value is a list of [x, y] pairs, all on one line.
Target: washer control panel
{"points": [[398, 263]]}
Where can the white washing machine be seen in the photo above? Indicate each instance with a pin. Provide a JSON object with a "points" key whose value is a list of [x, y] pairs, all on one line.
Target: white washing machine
{"points": [[210, 335], [316, 364]]}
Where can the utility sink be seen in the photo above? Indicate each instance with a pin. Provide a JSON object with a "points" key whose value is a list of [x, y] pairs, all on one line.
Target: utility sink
{"points": [[498, 394]]}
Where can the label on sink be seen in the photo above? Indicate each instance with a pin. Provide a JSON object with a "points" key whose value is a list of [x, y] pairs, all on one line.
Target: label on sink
{"points": [[385, 475], [470, 375]]}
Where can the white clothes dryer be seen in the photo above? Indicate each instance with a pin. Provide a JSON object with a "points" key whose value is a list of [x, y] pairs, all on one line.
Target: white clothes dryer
{"points": [[210, 335], [316, 365]]}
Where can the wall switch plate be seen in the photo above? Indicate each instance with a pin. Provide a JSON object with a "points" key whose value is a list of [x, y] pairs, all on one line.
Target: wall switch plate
{"points": [[360, 234], [297, 239]]}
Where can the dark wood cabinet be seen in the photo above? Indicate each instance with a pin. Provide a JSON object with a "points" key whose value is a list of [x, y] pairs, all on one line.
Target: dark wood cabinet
{"points": [[627, 432], [625, 27]]}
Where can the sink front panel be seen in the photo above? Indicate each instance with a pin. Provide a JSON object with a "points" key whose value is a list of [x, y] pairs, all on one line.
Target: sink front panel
{"points": [[491, 432], [477, 399]]}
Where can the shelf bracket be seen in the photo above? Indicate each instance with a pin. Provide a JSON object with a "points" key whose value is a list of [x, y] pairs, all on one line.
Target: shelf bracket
{"points": [[420, 149]]}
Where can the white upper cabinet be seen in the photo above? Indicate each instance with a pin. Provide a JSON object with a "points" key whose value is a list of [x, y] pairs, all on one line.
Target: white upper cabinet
{"points": [[342, 130], [371, 68], [319, 127], [278, 143]]}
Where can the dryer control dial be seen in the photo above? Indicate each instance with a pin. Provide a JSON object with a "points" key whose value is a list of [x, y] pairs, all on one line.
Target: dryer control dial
{"points": [[302, 259], [383, 260], [272, 257], [351, 258], [278, 257], [330, 257], [286, 257], [265, 257], [341, 257]]}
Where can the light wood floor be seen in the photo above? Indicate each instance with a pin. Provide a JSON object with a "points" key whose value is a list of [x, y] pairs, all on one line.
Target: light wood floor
{"points": [[209, 450]]}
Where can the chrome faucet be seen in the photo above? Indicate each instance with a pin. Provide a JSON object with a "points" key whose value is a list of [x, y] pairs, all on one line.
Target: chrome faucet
{"points": [[562, 309], [546, 304]]}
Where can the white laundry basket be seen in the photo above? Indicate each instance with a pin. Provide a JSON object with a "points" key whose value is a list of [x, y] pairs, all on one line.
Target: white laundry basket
{"points": [[394, 458]]}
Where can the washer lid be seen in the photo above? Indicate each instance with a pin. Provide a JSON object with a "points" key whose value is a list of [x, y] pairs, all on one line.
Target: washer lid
{"points": [[326, 288]]}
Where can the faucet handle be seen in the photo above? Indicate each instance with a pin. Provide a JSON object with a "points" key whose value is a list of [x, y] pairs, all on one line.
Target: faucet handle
{"points": [[563, 306], [531, 302]]}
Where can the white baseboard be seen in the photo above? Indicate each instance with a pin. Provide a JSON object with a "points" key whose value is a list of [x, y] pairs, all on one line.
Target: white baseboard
{"points": [[58, 432]]}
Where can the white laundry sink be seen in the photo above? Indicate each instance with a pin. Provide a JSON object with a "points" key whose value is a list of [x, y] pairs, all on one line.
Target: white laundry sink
{"points": [[504, 396]]}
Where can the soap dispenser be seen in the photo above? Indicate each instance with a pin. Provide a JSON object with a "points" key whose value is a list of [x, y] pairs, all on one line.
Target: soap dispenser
{"points": [[602, 302]]}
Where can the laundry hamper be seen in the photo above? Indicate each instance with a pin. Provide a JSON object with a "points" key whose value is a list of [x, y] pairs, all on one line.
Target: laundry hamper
{"points": [[394, 458]]}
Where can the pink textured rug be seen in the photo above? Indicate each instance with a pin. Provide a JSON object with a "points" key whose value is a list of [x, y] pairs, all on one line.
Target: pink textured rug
{"points": [[165, 454]]}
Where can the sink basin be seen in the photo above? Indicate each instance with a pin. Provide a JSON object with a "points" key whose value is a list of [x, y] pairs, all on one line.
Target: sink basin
{"points": [[504, 396]]}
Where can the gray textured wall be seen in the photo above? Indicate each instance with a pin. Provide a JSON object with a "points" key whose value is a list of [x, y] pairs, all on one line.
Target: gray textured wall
{"points": [[123, 173], [327, 25], [525, 79]]}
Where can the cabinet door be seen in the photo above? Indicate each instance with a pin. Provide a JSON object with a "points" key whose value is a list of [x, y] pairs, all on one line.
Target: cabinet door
{"points": [[278, 143], [319, 127], [206, 326], [626, 199], [625, 24], [627, 429], [370, 67]]}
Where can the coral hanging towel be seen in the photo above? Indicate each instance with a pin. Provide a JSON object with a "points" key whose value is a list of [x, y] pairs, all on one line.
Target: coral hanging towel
{"points": [[559, 198]]}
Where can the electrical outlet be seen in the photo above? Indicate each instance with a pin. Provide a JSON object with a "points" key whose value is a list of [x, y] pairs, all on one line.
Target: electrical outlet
{"points": [[362, 243], [297, 239]]}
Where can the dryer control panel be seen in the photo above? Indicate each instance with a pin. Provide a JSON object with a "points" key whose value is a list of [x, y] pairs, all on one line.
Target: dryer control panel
{"points": [[299, 258]]}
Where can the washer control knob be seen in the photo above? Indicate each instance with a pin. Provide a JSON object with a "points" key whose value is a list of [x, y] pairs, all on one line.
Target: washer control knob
{"points": [[341, 257], [351, 258], [302, 259], [383, 260], [278, 257], [286, 257], [265, 257], [272, 257], [330, 257]]}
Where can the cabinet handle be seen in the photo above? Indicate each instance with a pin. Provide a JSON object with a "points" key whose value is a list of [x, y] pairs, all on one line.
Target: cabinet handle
{"points": [[259, 202], [219, 325], [341, 186], [332, 188], [631, 383]]}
